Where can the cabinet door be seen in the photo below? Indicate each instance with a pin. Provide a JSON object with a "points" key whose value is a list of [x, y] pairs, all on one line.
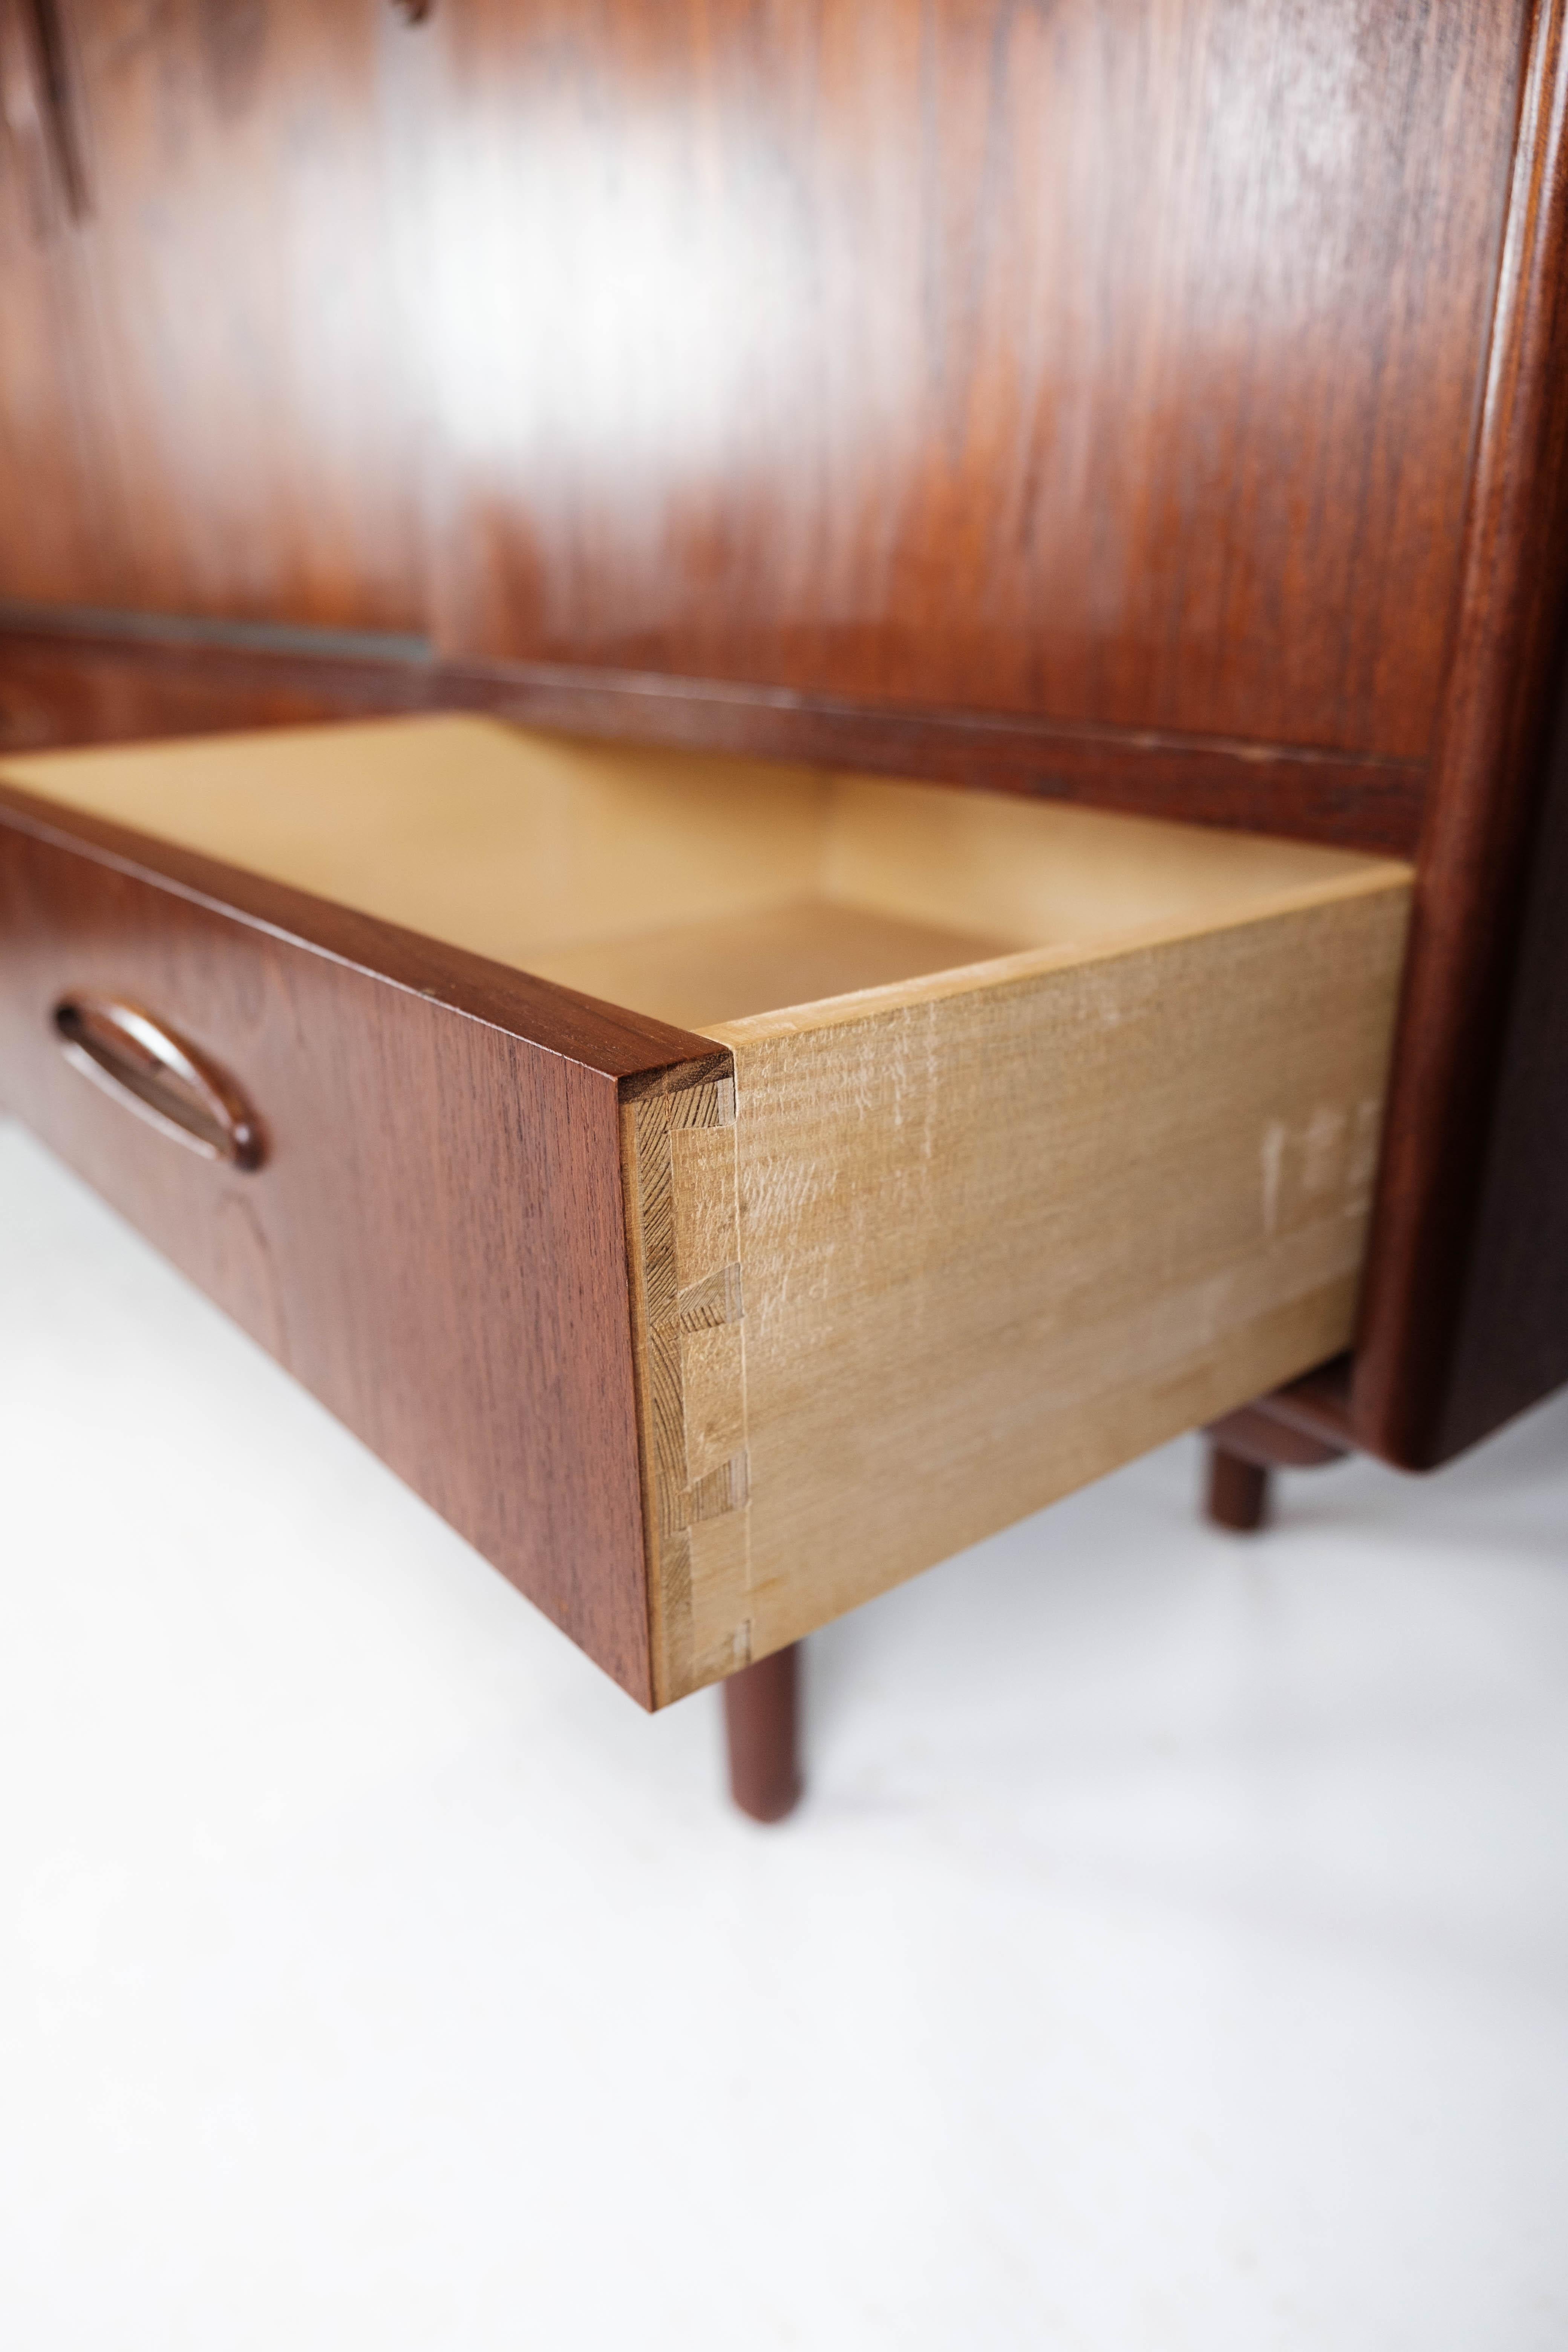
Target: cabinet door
{"points": [[1110, 363], [59, 540], [240, 361]]}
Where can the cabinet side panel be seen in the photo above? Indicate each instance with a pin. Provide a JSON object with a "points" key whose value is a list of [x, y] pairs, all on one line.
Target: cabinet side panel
{"points": [[1461, 1321], [994, 1243], [1511, 1339]]}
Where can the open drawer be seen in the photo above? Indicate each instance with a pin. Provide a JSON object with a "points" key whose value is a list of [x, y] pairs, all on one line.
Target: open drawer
{"points": [[721, 1189]]}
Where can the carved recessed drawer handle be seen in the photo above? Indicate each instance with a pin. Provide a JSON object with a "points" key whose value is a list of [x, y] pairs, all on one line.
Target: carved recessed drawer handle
{"points": [[154, 1072]]}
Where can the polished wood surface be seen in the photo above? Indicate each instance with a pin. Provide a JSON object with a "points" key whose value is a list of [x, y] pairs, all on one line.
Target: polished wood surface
{"points": [[68, 687], [160, 1076], [1510, 1344], [1117, 369], [1237, 1495], [1114, 364], [762, 1731], [55, 493], [1298, 1428], [101, 681], [434, 1245], [243, 394], [1153, 405], [1455, 1240], [1262, 1435]]}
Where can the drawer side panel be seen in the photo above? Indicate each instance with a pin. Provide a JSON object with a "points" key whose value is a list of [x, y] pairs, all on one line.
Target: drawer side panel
{"points": [[996, 1242]]}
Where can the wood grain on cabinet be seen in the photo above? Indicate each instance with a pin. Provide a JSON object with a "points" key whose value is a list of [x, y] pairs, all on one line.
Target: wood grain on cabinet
{"points": [[1510, 1345], [74, 680], [235, 299], [1155, 406], [434, 1245], [58, 523], [1467, 1274], [67, 682], [1118, 366]]}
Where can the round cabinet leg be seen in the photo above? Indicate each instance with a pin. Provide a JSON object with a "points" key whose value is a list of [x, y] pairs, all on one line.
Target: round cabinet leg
{"points": [[761, 1718], [1239, 1492]]}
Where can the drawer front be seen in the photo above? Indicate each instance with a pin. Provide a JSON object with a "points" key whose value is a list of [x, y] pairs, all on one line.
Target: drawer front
{"points": [[433, 1241]]}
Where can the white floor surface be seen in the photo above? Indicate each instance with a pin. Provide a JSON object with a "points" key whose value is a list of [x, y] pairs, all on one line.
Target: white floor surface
{"points": [[1172, 1955]]}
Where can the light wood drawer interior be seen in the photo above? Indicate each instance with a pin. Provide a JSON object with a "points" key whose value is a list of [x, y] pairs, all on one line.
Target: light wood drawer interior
{"points": [[1045, 1134]]}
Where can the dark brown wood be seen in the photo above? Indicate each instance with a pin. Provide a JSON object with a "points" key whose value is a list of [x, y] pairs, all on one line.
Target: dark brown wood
{"points": [[160, 1075], [1238, 1490], [58, 104], [27, 160], [1510, 1336], [1318, 1405], [1163, 406], [1435, 1362], [233, 395], [101, 681], [1261, 1433], [127, 682], [1114, 366], [1352, 803], [436, 1245], [1298, 1428], [54, 489], [762, 1708]]}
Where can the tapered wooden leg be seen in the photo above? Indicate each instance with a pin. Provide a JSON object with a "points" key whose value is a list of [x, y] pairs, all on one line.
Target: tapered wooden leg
{"points": [[760, 1722], [1239, 1492], [1286, 1430]]}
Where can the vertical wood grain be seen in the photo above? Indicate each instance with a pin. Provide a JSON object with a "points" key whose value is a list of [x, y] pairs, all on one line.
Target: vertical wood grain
{"points": [[237, 325], [1511, 1334], [1417, 1390], [59, 528]]}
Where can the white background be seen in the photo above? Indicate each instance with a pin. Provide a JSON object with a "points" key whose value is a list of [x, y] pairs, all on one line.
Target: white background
{"points": [[1170, 1953]]}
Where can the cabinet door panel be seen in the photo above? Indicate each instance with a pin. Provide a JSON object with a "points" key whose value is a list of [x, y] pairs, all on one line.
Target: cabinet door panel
{"points": [[1115, 362], [59, 540], [244, 365]]}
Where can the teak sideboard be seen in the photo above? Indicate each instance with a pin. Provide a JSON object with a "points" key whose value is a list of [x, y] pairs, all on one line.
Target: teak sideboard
{"points": [[780, 776]]}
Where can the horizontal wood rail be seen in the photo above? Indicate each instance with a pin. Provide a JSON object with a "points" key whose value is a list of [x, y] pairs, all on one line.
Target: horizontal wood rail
{"points": [[83, 678]]}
